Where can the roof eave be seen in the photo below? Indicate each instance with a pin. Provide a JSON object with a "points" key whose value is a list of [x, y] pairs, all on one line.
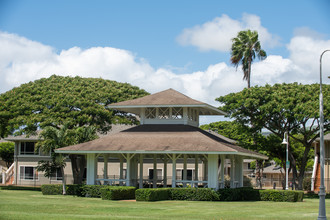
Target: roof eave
{"points": [[249, 155]]}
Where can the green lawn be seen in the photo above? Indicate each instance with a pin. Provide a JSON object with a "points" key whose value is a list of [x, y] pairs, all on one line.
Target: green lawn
{"points": [[17, 204]]}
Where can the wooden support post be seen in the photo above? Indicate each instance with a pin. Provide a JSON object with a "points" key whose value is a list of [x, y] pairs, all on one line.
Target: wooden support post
{"points": [[154, 180], [105, 169], [121, 169], [141, 172], [196, 170], [165, 171], [185, 169]]}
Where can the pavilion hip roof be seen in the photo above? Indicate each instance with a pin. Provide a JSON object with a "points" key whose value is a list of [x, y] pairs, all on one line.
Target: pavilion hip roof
{"points": [[160, 139]]}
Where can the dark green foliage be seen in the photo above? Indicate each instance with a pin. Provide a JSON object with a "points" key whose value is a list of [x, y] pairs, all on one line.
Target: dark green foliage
{"points": [[239, 194], [20, 188], [307, 184], [117, 192], [52, 189], [92, 190], [7, 152], [280, 108], [57, 100], [193, 194], [281, 195], [74, 189], [57, 189], [152, 194]]}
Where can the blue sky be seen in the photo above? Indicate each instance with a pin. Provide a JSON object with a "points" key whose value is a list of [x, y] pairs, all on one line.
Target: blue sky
{"points": [[156, 45]]}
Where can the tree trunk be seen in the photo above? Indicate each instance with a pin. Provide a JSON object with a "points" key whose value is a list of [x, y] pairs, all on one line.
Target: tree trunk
{"points": [[78, 164], [63, 181]]}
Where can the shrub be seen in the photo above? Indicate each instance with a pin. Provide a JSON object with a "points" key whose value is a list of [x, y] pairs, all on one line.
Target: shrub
{"points": [[281, 195], [193, 194], [307, 183], [20, 188], [117, 192], [92, 190], [74, 189], [52, 189], [152, 194]]}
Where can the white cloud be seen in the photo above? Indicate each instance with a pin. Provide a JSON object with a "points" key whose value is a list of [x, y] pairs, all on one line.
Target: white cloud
{"points": [[23, 60], [217, 34]]}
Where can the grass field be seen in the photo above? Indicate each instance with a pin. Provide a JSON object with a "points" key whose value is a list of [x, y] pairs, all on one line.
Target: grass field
{"points": [[17, 204]]}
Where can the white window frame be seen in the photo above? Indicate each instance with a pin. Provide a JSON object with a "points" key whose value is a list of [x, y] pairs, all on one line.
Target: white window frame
{"points": [[35, 173], [157, 170], [20, 147]]}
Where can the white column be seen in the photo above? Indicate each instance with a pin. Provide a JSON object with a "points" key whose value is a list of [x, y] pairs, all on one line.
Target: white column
{"points": [[239, 170], [154, 180], [105, 168], [213, 179], [121, 168], [232, 172], [141, 172], [128, 170], [222, 170], [185, 115], [174, 171], [91, 169], [142, 116], [196, 170], [184, 169]]}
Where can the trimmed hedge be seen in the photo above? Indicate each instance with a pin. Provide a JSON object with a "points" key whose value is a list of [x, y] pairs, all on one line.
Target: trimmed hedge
{"points": [[117, 192], [239, 194], [37, 188], [52, 189], [152, 194], [281, 195], [92, 190], [190, 194], [57, 189]]}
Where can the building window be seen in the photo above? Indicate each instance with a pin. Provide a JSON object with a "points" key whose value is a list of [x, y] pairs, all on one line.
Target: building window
{"points": [[28, 148], [177, 113], [179, 174], [150, 113], [159, 174], [28, 173], [57, 175], [164, 113]]}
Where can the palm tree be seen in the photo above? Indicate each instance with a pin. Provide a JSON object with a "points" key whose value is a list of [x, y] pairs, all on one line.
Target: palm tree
{"points": [[50, 139], [245, 48]]}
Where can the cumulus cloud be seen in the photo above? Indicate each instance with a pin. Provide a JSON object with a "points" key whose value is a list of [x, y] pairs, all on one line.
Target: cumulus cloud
{"points": [[217, 34], [23, 60]]}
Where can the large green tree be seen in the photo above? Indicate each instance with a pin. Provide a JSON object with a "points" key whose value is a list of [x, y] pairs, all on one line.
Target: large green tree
{"points": [[245, 48], [73, 101], [7, 152], [57, 100], [292, 108]]}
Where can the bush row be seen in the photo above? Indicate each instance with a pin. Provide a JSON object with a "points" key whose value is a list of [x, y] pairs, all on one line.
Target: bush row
{"points": [[96, 191], [205, 194], [20, 188], [190, 194]]}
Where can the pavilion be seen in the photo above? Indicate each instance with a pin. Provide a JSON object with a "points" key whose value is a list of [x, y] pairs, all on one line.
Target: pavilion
{"points": [[168, 134]]}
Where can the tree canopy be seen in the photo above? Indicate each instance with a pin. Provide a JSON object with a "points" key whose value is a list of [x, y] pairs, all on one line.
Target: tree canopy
{"points": [[292, 108], [245, 48], [57, 100], [7, 152]]}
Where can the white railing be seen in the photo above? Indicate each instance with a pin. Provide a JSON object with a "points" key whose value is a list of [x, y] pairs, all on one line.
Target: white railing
{"points": [[6, 176], [314, 172]]}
